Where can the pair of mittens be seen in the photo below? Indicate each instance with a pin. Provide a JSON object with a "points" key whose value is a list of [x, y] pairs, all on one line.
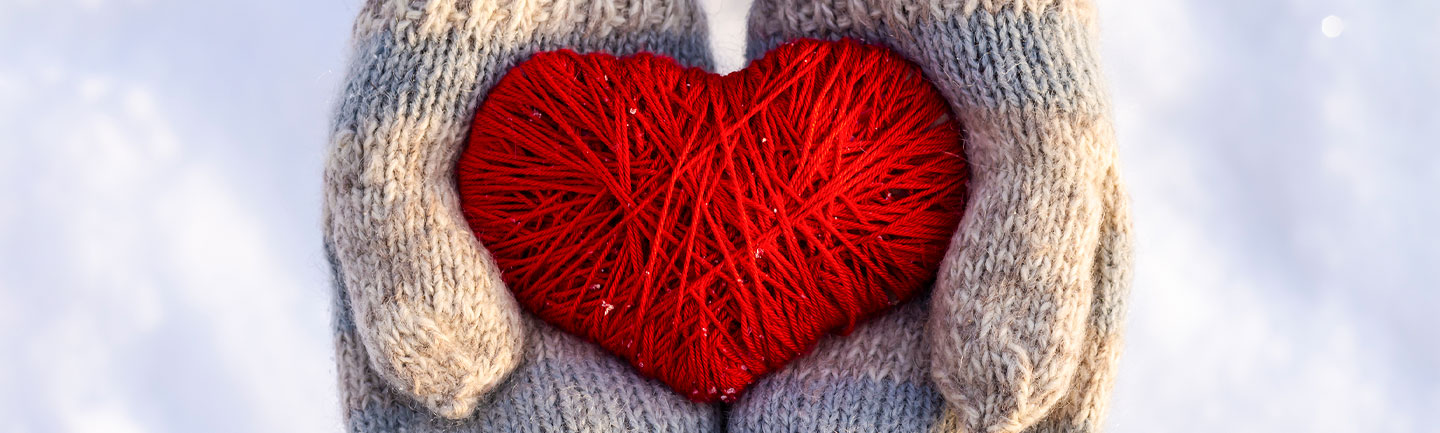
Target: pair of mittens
{"points": [[1020, 332]]}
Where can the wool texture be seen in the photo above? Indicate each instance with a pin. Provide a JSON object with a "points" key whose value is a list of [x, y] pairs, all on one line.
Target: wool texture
{"points": [[425, 326], [709, 229], [1020, 332], [565, 385], [1022, 327]]}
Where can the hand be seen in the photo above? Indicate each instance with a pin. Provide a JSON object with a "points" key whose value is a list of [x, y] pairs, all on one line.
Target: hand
{"points": [[1021, 331], [422, 314]]}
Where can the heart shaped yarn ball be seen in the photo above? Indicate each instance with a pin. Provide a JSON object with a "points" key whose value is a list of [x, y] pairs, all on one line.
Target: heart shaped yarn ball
{"points": [[709, 229]]}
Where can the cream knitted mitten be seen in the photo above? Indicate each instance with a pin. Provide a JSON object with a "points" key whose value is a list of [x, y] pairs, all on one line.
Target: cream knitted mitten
{"points": [[425, 328], [1021, 331]]}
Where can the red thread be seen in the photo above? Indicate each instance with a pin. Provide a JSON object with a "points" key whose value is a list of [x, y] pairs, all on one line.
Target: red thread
{"points": [[710, 229]]}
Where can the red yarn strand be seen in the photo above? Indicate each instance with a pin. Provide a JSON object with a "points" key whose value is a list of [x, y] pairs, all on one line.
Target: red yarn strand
{"points": [[709, 229]]}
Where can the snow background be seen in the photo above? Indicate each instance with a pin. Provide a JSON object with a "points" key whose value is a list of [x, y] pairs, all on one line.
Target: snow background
{"points": [[160, 263]]}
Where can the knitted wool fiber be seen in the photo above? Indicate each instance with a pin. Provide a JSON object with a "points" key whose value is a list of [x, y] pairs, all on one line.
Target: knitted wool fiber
{"points": [[424, 323], [1021, 330]]}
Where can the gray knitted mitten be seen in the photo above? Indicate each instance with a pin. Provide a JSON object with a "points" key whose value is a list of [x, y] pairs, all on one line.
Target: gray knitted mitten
{"points": [[1021, 330], [428, 337]]}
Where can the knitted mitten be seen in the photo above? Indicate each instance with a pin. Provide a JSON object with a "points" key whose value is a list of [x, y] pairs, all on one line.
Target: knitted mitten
{"points": [[426, 329], [1021, 330]]}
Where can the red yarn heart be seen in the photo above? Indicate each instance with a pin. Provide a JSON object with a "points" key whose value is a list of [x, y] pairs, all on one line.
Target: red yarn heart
{"points": [[710, 229]]}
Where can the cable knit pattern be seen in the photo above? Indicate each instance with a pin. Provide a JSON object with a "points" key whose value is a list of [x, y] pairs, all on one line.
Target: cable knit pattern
{"points": [[429, 311], [1023, 324]]}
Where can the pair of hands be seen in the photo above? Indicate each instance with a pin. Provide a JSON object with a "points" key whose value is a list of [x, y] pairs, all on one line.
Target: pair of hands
{"points": [[1022, 324]]}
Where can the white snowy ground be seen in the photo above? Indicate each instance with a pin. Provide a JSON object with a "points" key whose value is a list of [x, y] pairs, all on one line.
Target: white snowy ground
{"points": [[160, 266]]}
